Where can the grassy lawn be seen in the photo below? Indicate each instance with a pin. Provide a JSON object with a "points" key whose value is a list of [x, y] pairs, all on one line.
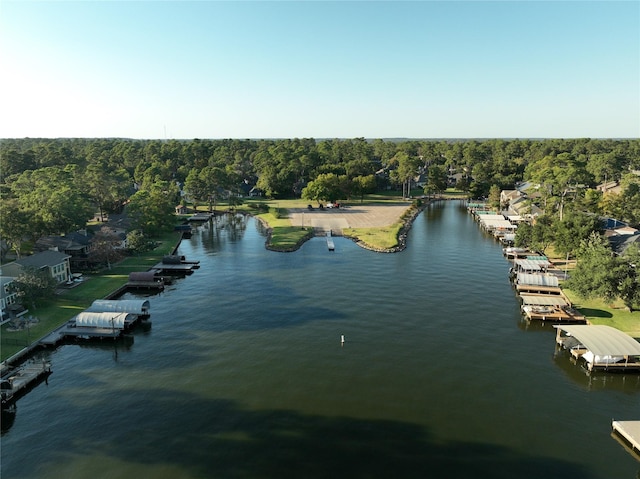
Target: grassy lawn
{"points": [[69, 302], [614, 315], [596, 310], [284, 236], [377, 238]]}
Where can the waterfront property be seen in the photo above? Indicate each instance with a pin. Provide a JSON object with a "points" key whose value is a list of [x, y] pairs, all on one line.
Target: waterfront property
{"points": [[173, 264], [537, 284], [100, 323], [56, 265], [550, 307], [600, 347], [262, 389]]}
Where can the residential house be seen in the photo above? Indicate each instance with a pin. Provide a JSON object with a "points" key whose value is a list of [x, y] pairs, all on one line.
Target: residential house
{"points": [[9, 304], [76, 245], [56, 264], [620, 236]]}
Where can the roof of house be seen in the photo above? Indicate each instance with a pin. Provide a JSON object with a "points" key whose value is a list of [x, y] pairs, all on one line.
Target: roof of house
{"points": [[74, 241], [44, 258], [620, 243], [603, 340]]}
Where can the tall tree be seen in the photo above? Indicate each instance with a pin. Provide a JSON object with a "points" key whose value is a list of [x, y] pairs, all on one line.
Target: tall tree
{"points": [[34, 285], [153, 210]]}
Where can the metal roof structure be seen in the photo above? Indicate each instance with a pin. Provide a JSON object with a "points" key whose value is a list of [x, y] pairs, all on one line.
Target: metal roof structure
{"points": [[111, 320], [498, 223], [543, 300], [531, 264], [603, 340], [134, 306], [537, 279]]}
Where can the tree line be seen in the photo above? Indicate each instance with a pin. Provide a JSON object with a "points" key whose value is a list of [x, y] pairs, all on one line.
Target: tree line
{"points": [[51, 186], [54, 186]]}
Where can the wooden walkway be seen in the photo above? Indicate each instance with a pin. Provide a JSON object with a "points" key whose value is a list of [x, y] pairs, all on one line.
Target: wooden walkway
{"points": [[627, 433], [16, 382]]}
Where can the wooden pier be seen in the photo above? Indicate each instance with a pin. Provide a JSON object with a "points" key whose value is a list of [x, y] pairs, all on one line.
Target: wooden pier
{"points": [[627, 433], [17, 381]]}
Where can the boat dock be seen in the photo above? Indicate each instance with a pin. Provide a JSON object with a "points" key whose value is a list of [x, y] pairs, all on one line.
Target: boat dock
{"points": [[17, 381], [330, 243], [173, 264], [627, 433]]}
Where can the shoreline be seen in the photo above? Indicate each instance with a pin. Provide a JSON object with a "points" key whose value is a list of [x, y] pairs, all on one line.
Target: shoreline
{"points": [[407, 218]]}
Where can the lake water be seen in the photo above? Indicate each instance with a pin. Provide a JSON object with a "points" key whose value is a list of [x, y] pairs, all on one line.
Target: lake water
{"points": [[243, 373]]}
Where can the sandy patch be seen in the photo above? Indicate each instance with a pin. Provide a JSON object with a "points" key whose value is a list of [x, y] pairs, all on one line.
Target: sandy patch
{"points": [[352, 216]]}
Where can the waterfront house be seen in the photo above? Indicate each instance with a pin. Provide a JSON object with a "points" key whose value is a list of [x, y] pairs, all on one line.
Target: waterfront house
{"points": [[75, 244], [9, 300], [55, 263]]}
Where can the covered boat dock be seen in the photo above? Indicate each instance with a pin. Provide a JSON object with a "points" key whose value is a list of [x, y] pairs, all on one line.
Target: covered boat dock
{"points": [[601, 347], [139, 307], [537, 283], [550, 307]]}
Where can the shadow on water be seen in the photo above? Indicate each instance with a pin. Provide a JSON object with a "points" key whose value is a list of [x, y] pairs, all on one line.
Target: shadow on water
{"points": [[235, 443], [8, 418]]}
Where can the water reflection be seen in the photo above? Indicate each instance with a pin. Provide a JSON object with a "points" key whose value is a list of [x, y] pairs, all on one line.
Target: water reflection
{"points": [[213, 234], [628, 383]]}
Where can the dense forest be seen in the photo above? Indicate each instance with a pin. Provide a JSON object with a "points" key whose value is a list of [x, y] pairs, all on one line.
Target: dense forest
{"points": [[52, 186]]}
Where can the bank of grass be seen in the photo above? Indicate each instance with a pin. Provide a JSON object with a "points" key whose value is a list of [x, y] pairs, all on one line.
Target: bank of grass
{"points": [[382, 238], [60, 309], [283, 235], [288, 237], [613, 314]]}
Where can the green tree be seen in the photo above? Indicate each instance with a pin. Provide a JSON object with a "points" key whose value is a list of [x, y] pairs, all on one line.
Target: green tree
{"points": [[14, 225], [34, 285], [494, 197], [52, 199], [405, 172], [137, 242], [436, 180], [105, 247], [153, 210], [362, 185], [543, 233], [326, 186], [572, 230], [107, 188], [597, 273]]}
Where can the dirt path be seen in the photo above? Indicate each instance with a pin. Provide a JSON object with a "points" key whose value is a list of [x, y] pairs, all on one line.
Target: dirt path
{"points": [[352, 216]]}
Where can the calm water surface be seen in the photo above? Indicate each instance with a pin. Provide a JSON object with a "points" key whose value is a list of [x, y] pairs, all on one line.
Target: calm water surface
{"points": [[243, 373]]}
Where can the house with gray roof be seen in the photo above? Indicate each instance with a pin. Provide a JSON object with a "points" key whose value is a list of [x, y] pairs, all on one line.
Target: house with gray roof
{"points": [[55, 263]]}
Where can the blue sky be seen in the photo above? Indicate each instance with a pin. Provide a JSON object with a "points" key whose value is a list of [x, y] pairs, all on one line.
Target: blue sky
{"points": [[334, 69]]}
